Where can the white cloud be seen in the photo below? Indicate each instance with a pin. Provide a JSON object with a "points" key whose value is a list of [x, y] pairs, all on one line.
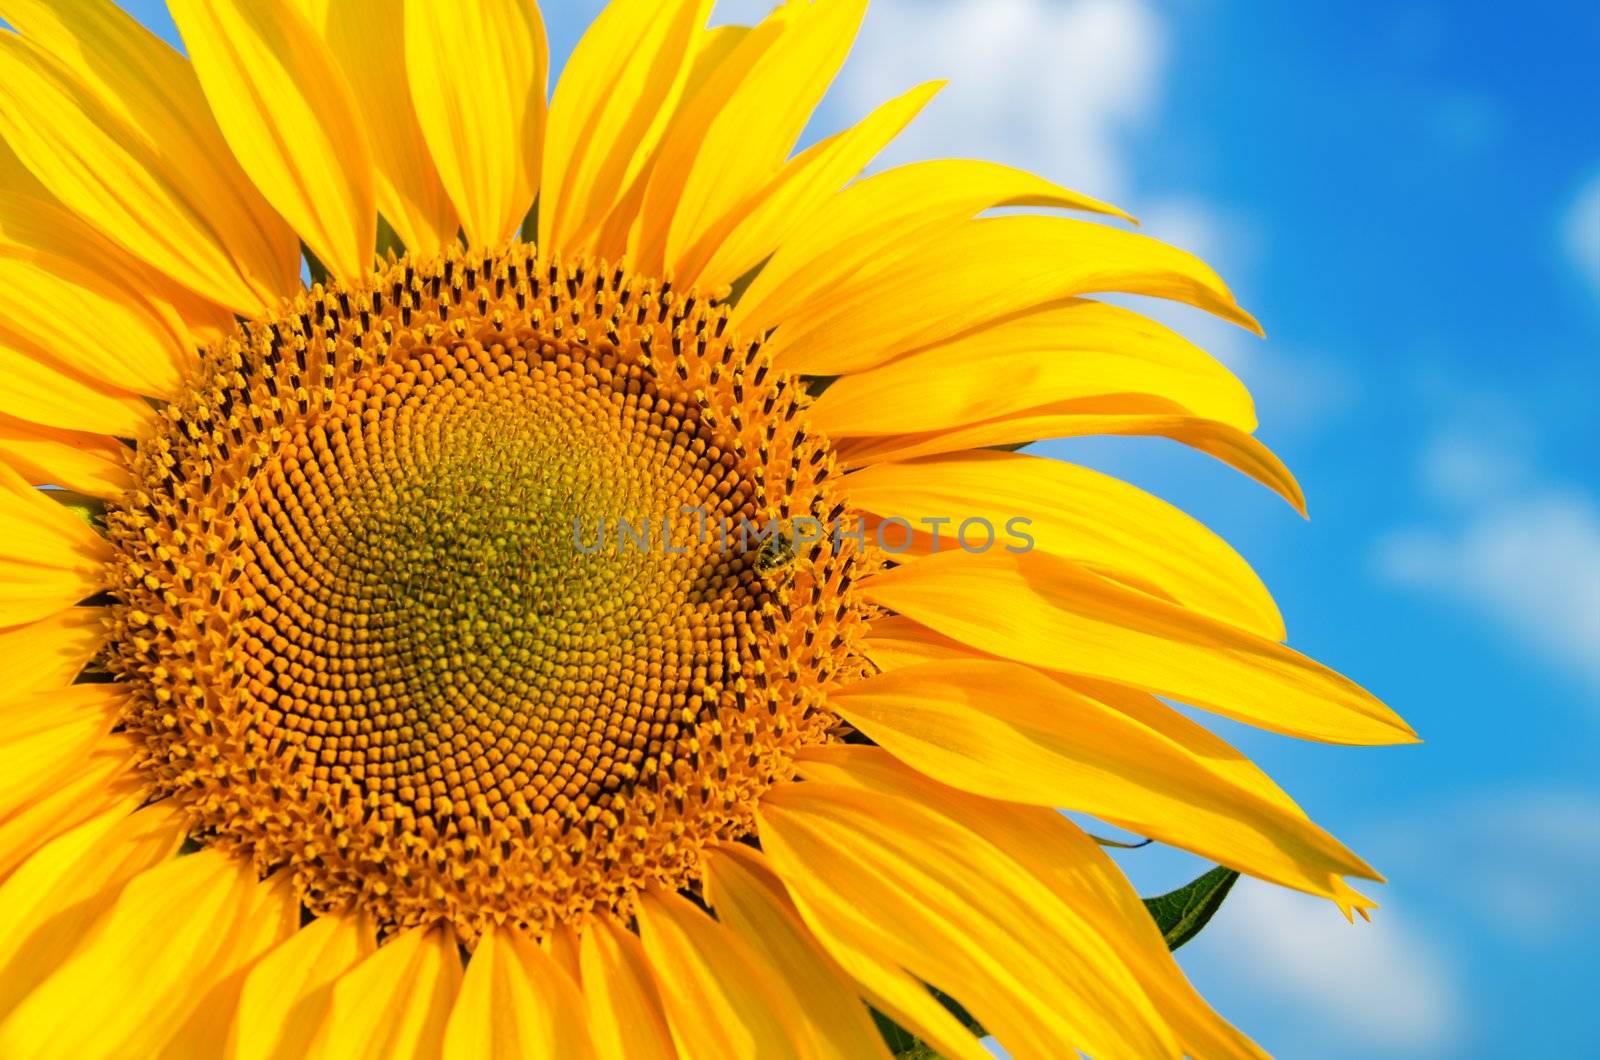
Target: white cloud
{"points": [[1581, 231], [1350, 987], [1468, 468], [1523, 860], [1050, 86], [1530, 561]]}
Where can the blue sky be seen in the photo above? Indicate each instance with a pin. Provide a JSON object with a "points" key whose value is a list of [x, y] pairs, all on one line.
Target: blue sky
{"points": [[1408, 196]]}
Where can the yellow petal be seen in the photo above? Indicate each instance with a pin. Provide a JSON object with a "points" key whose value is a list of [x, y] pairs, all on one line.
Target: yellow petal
{"points": [[286, 992], [59, 893], [1066, 351], [80, 320], [40, 389], [477, 74], [515, 1002], [626, 1020], [751, 901], [867, 228], [900, 883], [906, 1000], [978, 272], [79, 460], [617, 91], [749, 234], [48, 734], [1050, 613], [1073, 512], [205, 1031], [734, 136], [31, 219], [49, 558], [720, 1001], [103, 781], [128, 989], [395, 1002], [1134, 415], [49, 652], [367, 41], [114, 123], [291, 120], [622, 230], [562, 946], [1057, 854], [1009, 732]]}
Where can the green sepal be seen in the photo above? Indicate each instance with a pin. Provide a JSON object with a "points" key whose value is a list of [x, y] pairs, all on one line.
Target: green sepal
{"points": [[91, 510], [1180, 914], [530, 223], [314, 267], [388, 240]]}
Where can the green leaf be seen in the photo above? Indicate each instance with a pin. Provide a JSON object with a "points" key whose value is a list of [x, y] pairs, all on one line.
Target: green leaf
{"points": [[1180, 914]]}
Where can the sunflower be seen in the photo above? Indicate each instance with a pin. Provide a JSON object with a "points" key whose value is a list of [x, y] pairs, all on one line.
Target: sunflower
{"points": [[328, 733]]}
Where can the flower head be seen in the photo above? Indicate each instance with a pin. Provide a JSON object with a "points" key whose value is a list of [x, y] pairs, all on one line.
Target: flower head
{"points": [[534, 635]]}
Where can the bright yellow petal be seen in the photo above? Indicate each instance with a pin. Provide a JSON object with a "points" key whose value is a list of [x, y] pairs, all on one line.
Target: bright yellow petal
{"points": [[79, 460], [981, 271], [205, 1031], [291, 120], [709, 52], [515, 1002], [734, 136], [866, 228], [626, 1020], [1009, 732], [394, 1003], [1050, 613], [103, 781], [286, 992], [561, 945], [32, 220], [40, 389], [49, 558], [1072, 350], [1073, 512], [48, 735], [129, 988], [113, 122], [367, 39], [720, 1001], [1070, 864], [751, 901], [80, 320], [617, 91], [49, 652], [477, 74], [1131, 414], [55, 898], [749, 234], [897, 881]]}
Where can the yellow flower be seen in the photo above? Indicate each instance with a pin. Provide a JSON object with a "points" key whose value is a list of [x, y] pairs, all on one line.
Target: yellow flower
{"points": [[332, 731]]}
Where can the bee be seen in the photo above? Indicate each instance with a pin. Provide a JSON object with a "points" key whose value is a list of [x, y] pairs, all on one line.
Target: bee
{"points": [[780, 556]]}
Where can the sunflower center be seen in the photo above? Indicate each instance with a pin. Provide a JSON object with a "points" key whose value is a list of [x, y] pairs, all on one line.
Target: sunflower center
{"points": [[434, 593]]}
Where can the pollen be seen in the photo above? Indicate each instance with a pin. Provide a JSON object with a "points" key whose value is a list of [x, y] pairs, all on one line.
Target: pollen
{"points": [[431, 592]]}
